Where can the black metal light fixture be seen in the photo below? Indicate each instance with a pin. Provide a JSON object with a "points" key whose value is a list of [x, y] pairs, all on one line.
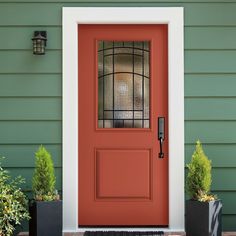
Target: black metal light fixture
{"points": [[39, 42]]}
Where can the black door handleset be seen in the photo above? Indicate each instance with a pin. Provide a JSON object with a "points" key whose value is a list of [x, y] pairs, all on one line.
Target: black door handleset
{"points": [[161, 134]]}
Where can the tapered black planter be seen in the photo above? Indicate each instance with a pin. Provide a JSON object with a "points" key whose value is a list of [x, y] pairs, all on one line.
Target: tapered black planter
{"points": [[203, 218], [46, 218]]}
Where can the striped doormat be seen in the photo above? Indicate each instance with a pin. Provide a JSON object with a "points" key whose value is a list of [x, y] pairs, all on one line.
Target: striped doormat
{"points": [[123, 233]]}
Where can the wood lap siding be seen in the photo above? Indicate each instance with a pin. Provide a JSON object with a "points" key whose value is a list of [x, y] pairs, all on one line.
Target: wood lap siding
{"points": [[31, 86]]}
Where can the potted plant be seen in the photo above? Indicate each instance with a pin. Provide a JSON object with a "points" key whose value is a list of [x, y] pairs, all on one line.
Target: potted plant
{"points": [[13, 203], [46, 207], [203, 210]]}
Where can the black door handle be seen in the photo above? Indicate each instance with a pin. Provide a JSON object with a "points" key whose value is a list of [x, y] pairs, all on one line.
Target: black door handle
{"points": [[161, 134]]}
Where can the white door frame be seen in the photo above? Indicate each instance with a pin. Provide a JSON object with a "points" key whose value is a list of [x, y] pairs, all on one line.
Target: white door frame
{"points": [[173, 16]]}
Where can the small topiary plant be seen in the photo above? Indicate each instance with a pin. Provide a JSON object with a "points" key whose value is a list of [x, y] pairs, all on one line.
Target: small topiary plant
{"points": [[44, 179], [13, 203], [199, 179]]}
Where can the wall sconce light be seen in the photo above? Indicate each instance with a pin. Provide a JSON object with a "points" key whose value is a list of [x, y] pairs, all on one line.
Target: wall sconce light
{"points": [[39, 42]]}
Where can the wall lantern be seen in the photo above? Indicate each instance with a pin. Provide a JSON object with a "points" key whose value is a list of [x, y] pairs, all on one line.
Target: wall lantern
{"points": [[39, 42]]}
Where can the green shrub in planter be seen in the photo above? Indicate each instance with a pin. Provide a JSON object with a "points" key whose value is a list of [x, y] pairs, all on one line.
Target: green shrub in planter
{"points": [[46, 207], [203, 210], [13, 203]]}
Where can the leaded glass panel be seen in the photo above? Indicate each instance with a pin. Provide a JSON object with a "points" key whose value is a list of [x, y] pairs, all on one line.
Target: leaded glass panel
{"points": [[123, 84]]}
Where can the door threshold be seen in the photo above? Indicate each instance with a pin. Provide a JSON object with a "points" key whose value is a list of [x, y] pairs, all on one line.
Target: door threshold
{"points": [[123, 226]]}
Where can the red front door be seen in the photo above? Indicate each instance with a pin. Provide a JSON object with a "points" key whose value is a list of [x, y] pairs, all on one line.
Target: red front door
{"points": [[122, 91]]}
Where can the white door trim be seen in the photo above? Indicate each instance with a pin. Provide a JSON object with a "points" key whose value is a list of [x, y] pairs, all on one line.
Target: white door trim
{"points": [[173, 16]]}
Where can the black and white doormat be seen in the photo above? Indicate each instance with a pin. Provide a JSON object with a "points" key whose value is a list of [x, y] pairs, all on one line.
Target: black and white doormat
{"points": [[123, 233]]}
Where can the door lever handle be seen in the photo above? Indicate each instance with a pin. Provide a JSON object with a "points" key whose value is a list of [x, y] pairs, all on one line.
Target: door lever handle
{"points": [[161, 154], [161, 135]]}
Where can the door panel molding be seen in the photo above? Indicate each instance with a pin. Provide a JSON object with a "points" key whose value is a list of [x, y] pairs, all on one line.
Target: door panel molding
{"points": [[107, 174], [72, 16]]}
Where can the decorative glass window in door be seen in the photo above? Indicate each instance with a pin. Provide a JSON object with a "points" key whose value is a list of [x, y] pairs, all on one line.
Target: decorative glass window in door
{"points": [[123, 84]]}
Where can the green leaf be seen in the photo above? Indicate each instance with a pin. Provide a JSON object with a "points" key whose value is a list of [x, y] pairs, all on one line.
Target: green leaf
{"points": [[13, 203]]}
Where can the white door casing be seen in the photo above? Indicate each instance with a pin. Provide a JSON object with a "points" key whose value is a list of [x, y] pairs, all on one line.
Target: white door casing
{"points": [[72, 17]]}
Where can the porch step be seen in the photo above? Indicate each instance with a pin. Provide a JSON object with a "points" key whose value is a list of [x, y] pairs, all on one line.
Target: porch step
{"points": [[124, 233]]}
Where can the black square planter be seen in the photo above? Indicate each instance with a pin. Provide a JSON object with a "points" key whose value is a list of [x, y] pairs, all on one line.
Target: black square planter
{"points": [[46, 218], [203, 218]]}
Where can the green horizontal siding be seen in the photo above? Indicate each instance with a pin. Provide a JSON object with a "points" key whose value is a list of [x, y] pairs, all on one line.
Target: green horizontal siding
{"points": [[210, 38], [210, 131], [25, 62], [210, 85], [223, 179], [30, 109], [212, 108], [228, 222], [31, 86], [30, 132], [208, 61]]}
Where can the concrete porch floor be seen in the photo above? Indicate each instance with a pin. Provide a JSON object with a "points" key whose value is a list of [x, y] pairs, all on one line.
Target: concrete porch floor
{"points": [[166, 234]]}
